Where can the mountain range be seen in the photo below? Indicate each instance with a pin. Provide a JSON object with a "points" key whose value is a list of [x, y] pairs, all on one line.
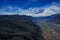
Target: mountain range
{"points": [[21, 27], [53, 18]]}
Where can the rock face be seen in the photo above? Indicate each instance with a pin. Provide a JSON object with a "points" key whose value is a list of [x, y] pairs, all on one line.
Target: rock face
{"points": [[18, 28]]}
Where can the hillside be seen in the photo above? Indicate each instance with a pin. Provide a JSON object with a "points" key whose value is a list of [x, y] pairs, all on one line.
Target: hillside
{"points": [[18, 28], [50, 30]]}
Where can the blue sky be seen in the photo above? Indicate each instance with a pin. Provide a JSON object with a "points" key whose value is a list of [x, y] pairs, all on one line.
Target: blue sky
{"points": [[26, 3], [33, 8]]}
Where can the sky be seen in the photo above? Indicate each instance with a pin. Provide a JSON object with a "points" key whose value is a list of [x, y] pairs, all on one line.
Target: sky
{"points": [[35, 8]]}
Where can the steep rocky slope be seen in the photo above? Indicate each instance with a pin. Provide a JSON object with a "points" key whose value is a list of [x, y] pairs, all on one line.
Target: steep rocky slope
{"points": [[18, 28]]}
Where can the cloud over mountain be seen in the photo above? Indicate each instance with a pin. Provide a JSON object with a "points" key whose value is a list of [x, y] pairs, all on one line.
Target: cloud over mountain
{"points": [[47, 10]]}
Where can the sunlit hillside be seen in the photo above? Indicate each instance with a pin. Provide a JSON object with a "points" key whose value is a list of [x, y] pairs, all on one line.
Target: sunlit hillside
{"points": [[51, 31]]}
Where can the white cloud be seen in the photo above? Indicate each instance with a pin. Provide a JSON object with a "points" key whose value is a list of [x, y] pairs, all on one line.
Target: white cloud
{"points": [[48, 10]]}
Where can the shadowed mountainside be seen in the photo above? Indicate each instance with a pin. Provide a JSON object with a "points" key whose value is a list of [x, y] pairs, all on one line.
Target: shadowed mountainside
{"points": [[18, 28]]}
